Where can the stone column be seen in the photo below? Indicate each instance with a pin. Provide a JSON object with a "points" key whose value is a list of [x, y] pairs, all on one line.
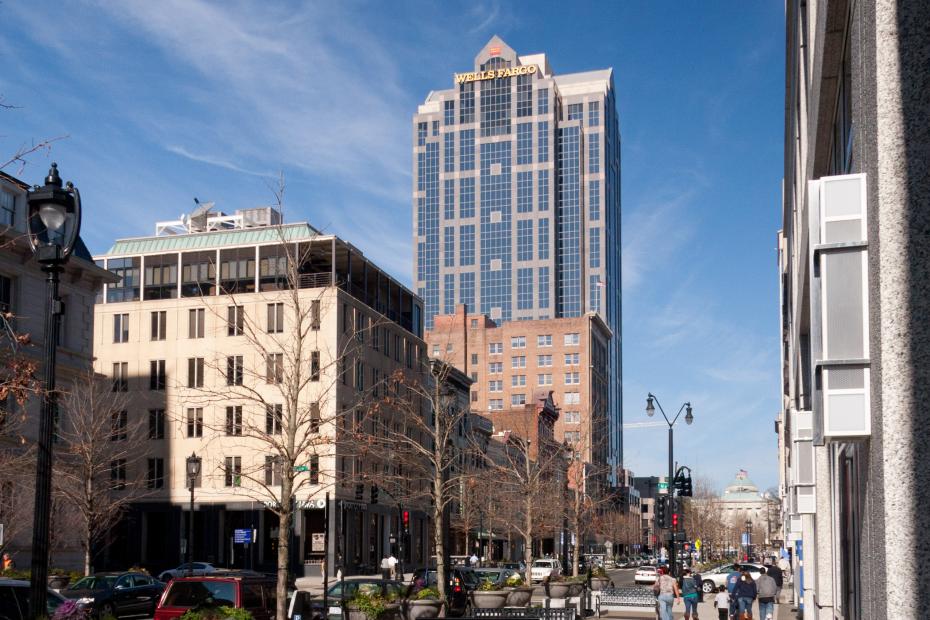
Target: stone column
{"points": [[903, 141]]}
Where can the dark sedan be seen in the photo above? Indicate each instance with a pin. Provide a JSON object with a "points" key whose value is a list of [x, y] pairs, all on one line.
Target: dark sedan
{"points": [[121, 595]]}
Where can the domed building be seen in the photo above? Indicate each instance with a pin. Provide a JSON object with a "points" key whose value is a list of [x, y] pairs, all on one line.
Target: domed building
{"points": [[741, 500]]}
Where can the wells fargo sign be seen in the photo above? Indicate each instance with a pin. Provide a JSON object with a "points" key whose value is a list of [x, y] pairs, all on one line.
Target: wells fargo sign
{"points": [[494, 74]]}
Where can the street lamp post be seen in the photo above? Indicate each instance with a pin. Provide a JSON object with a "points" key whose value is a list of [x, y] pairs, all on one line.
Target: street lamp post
{"points": [[689, 418], [193, 470], [54, 221], [748, 540]]}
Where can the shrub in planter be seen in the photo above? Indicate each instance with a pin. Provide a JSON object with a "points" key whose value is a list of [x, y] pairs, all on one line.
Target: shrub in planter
{"points": [[487, 596], [69, 610], [424, 603], [217, 613], [371, 607], [429, 593]]}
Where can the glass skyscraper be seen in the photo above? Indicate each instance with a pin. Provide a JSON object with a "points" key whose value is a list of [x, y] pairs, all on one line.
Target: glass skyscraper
{"points": [[516, 197]]}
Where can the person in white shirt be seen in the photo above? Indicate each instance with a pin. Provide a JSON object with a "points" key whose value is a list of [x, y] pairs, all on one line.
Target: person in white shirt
{"points": [[392, 563], [473, 560], [722, 603]]}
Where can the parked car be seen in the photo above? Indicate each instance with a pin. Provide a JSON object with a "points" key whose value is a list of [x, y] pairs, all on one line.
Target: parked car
{"points": [[121, 595], [716, 577], [545, 569], [254, 592], [193, 569], [312, 607], [497, 576], [515, 566], [14, 600], [462, 581], [646, 574]]}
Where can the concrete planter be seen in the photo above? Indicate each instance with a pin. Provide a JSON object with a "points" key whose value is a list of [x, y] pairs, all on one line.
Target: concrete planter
{"points": [[599, 583], [558, 589], [519, 596], [423, 608], [489, 599], [575, 589]]}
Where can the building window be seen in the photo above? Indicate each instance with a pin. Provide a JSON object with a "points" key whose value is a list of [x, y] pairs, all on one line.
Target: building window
{"points": [[544, 360], [594, 200], [198, 274], [234, 370], [495, 368], [449, 248], [467, 244], [467, 289], [276, 318], [159, 325], [525, 192], [161, 277], [542, 101], [572, 359], [195, 372], [542, 246], [496, 404], [274, 368], [572, 417], [274, 416], [359, 376], [542, 141], [594, 153], [234, 420], [524, 143], [314, 315], [572, 339], [495, 348], [575, 112], [120, 328], [495, 385], [118, 474], [156, 423], [544, 340], [474, 397], [572, 398], [194, 422], [524, 95], [233, 471], [314, 365], [543, 190], [7, 208], [195, 323], [448, 164], [448, 112], [157, 375], [518, 361], [544, 379], [155, 479], [525, 288], [518, 399], [127, 289], [518, 342], [119, 423], [594, 113], [6, 294], [517, 380], [435, 128], [467, 149], [474, 358], [421, 134], [120, 376], [572, 378], [594, 253], [543, 288], [272, 471], [235, 320], [467, 103], [314, 417]]}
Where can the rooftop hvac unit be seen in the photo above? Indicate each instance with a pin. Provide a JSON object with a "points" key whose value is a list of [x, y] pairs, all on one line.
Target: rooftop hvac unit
{"points": [[261, 216]]}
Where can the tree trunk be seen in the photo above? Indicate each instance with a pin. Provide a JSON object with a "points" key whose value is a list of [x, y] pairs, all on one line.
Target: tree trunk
{"points": [[284, 547], [438, 532], [528, 540]]}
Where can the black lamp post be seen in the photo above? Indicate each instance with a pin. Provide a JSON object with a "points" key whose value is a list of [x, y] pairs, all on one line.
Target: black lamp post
{"points": [[193, 470], [54, 221], [748, 540], [689, 418]]}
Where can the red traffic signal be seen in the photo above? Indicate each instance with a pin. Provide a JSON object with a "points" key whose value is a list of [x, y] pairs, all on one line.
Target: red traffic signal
{"points": [[674, 519], [406, 518]]}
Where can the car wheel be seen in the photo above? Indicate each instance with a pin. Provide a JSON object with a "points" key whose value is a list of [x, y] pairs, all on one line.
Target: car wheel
{"points": [[708, 586], [107, 610]]}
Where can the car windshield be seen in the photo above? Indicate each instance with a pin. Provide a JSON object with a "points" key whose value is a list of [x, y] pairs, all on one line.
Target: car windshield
{"points": [[191, 593], [489, 575], [94, 583], [542, 564], [470, 578]]}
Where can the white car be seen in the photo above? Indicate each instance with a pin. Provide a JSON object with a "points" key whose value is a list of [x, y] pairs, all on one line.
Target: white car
{"points": [[646, 574], [544, 569], [195, 569], [713, 579]]}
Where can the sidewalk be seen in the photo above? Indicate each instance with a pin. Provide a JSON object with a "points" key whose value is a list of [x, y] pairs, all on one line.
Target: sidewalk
{"points": [[706, 611]]}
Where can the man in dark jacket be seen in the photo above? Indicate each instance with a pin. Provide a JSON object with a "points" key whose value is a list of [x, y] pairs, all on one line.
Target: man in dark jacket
{"points": [[775, 573]]}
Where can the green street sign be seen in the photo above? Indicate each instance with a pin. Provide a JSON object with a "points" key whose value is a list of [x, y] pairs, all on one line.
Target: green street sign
{"points": [[663, 486], [301, 468]]}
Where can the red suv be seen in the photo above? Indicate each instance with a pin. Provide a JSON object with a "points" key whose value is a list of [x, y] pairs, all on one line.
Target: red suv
{"points": [[253, 592]]}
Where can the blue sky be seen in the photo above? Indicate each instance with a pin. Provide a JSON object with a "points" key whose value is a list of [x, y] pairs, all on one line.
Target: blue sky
{"points": [[164, 101]]}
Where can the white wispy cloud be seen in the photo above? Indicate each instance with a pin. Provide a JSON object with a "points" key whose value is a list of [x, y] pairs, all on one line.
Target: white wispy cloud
{"points": [[216, 161]]}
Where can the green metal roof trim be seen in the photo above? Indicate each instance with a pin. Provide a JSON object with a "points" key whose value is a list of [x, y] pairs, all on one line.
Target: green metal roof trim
{"points": [[211, 240]]}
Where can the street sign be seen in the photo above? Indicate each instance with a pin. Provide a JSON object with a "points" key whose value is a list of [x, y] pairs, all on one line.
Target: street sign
{"points": [[663, 486], [697, 544], [301, 468], [241, 537]]}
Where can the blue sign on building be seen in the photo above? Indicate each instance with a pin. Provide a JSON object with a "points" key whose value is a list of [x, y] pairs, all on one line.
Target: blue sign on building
{"points": [[242, 536]]}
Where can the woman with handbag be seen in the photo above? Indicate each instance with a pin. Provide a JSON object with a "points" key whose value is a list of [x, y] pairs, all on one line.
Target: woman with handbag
{"points": [[666, 587]]}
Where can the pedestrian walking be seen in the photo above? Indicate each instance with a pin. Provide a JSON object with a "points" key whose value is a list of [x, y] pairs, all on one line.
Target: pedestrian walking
{"points": [[666, 587], [392, 563], [690, 594], [473, 560], [733, 578], [745, 593], [766, 588], [385, 567], [722, 603], [8, 562]]}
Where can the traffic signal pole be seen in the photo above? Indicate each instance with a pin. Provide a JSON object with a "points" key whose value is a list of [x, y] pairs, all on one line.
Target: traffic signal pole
{"points": [[672, 558]]}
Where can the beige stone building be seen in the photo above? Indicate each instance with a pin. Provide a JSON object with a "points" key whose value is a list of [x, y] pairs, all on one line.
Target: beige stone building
{"points": [[511, 362], [200, 330], [22, 293]]}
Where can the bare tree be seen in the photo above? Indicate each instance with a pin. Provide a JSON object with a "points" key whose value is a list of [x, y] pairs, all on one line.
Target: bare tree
{"points": [[586, 493], [534, 475], [100, 453]]}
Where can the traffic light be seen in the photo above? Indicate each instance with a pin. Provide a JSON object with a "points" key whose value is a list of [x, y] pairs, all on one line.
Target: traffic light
{"points": [[406, 521], [685, 489], [374, 494], [675, 520], [359, 492], [662, 512]]}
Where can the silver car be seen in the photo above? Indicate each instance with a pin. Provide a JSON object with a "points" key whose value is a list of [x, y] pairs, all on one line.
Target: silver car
{"points": [[194, 569], [714, 578]]}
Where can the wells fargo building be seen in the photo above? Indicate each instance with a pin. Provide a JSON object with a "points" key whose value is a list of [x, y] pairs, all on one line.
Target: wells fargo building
{"points": [[516, 198]]}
